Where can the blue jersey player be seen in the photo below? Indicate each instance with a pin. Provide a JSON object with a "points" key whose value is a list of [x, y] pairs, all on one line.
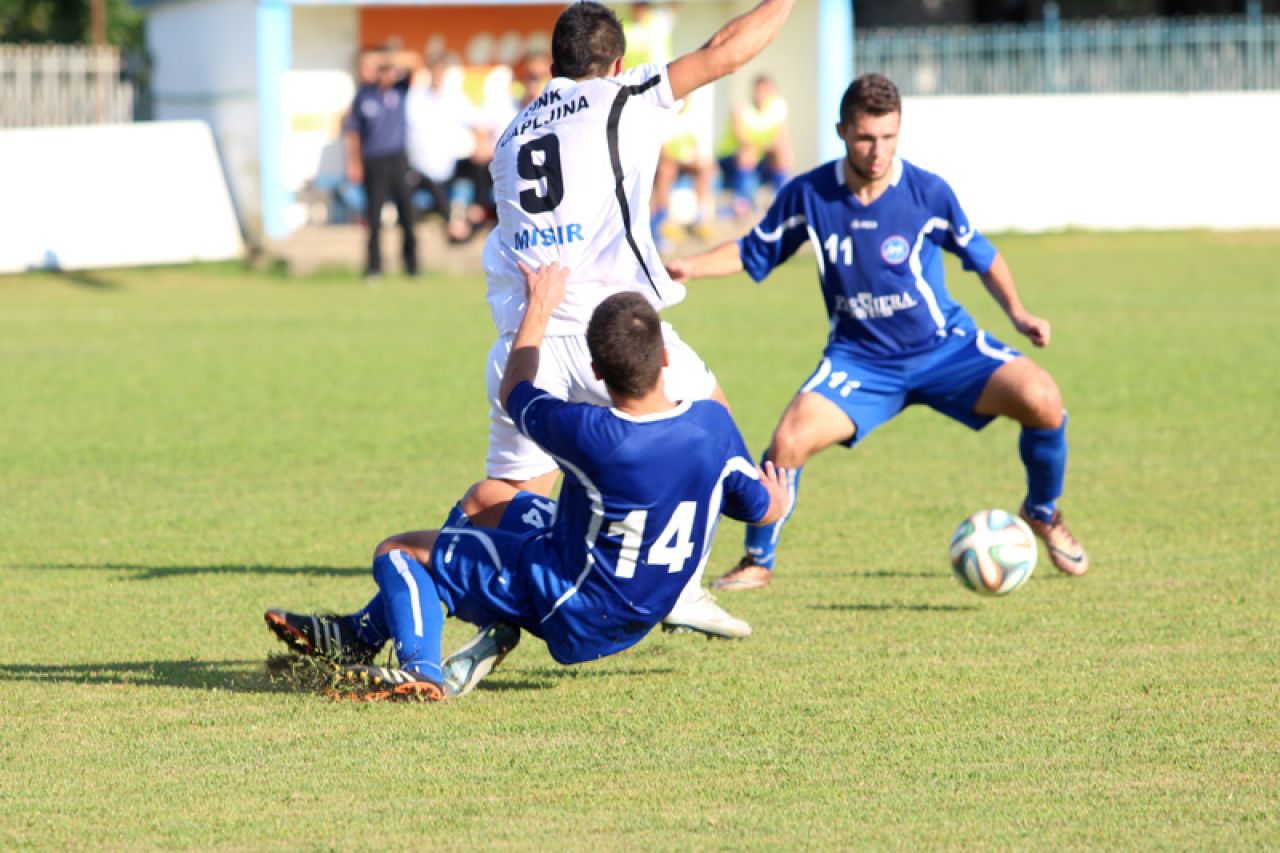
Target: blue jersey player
{"points": [[645, 483], [878, 226]]}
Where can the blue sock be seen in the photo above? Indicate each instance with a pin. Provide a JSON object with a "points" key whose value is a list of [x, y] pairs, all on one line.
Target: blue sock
{"points": [[413, 613], [1044, 453], [776, 178], [762, 542], [370, 623], [656, 219]]}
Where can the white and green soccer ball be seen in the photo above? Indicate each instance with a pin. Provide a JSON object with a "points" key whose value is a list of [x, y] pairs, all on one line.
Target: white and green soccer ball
{"points": [[993, 552]]}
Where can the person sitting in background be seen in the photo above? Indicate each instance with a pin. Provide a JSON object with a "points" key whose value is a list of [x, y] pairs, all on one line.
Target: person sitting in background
{"points": [[439, 135], [375, 133], [684, 153], [488, 121], [756, 145]]}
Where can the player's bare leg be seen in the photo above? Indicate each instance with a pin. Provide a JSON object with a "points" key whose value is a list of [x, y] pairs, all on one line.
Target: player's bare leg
{"points": [[811, 423], [704, 175], [1025, 392]]}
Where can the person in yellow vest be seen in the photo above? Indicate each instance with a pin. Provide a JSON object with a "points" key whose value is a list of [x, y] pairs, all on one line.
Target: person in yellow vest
{"points": [[648, 35], [756, 145], [686, 152]]}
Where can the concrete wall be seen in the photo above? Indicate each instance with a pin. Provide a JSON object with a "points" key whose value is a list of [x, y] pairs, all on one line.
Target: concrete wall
{"points": [[205, 66], [1035, 163]]}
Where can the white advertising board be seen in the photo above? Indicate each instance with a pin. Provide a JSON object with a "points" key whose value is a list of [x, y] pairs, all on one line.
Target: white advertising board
{"points": [[1163, 161], [117, 195]]}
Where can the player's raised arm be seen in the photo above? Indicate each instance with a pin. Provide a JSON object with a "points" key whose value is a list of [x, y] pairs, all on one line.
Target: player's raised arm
{"points": [[998, 279], [736, 44], [544, 290], [725, 259]]}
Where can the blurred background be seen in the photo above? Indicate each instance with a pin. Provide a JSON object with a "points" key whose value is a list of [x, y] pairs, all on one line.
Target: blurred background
{"points": [[170, 120]]}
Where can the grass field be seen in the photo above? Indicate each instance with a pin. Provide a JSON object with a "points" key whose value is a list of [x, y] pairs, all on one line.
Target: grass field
{"points": [[182, 448]]}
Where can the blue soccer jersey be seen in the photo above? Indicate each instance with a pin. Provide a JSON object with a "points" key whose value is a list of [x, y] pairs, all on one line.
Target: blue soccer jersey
{"points": [[636, 513], [881, 263]]}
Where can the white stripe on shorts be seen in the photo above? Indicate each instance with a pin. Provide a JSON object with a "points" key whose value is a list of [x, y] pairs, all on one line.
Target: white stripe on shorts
{"points": [[824, 370], [998, 354]]}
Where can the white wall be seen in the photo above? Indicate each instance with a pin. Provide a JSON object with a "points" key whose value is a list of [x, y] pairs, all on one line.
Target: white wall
{"points": [[325, 38], [113, 195], [315, 95], [1034, 163], [205, 67]]}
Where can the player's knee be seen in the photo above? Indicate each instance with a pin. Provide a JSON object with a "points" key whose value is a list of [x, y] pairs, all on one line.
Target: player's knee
{"points": [[485, 502], [1043, 402], [386, 546], [791, 448]]}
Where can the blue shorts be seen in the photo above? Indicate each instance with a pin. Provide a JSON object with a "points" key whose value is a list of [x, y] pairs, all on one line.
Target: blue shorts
{"points": [[472, 566], [948, 379], [511, 574]]}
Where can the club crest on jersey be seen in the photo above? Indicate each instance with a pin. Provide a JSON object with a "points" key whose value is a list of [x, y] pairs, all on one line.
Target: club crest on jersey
{"points": [[895, 249]]}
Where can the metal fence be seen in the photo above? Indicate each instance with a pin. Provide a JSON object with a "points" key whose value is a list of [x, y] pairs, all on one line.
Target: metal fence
{"points": [[53, 85], [1154, 55]]}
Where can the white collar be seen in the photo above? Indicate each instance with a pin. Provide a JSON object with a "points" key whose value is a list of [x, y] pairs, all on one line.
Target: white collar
{"points": [[895, 172], [679, 410]]}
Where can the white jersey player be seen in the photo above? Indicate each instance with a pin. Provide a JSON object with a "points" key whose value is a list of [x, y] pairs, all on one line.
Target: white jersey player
{"points": [[572, 175]]}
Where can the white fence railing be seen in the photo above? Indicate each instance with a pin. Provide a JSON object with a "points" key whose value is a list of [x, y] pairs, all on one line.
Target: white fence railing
{"points": [[58, 85]]}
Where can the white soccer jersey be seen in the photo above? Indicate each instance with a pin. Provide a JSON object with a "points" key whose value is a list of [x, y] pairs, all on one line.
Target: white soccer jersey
{"points": [[573, 175]]}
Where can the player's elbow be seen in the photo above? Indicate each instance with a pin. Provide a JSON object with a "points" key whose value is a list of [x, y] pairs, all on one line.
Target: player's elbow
{"points": [[724, 59]]}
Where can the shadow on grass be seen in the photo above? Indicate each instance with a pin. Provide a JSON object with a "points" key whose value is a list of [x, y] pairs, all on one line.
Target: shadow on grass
{"points": [[915, 608], [892, 573], [238, 676], [146, 573], [279, 674], [545, 678], [86, 278]]}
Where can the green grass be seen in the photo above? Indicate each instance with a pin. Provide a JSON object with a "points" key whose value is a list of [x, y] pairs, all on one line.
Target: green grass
{"points": [[182, 448]]}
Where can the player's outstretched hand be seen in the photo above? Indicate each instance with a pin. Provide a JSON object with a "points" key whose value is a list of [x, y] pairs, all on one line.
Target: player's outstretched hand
{"points": [[545, 288], [1035, 328], [775, 481], [681, 270]]}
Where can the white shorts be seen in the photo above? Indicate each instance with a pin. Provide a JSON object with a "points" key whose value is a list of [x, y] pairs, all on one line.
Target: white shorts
{"points": [[564, 370]]}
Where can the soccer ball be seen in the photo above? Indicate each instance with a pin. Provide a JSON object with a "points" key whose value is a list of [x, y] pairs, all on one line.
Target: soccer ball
{"points": [[993, 552]]}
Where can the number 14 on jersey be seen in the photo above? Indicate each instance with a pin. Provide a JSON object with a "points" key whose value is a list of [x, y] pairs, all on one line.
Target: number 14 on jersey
{"points": [[672, 548]]}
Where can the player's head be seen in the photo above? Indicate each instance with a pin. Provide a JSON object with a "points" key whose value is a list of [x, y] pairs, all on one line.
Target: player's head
{"points": [[624, 338], [387, 72], [534, 73], [762, 89], [587, 42], [870, 116]]}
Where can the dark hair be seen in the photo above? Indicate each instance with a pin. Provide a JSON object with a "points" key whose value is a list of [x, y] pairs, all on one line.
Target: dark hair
{"points": [[586, 40], [870, 94], [624, 338]]}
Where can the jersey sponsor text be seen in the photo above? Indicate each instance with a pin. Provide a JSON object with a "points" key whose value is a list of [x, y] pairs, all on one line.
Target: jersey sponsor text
{"points": [[867, 306], [557, 236]]}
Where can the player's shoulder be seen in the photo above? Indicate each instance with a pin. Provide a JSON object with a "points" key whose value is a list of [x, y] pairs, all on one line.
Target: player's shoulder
{"points": [[821, 184], [922, 180], [711, 417], [642, 77]]}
